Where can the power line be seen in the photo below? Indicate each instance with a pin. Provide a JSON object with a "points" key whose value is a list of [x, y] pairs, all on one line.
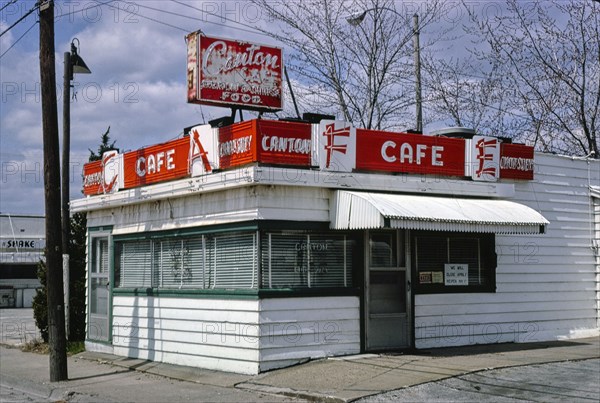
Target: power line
{"points": [[20, 19], [7, 4], [21, 37], [150, 18], [250, 29], [86, 8], [108, 3]]}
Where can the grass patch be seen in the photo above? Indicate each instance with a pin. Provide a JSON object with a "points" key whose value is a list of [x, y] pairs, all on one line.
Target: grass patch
{"points": [[38, 346], [75, 347], [35, 346]]}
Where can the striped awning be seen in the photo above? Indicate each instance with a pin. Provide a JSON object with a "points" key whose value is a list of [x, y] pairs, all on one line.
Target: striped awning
{"points": [[360, 210]]}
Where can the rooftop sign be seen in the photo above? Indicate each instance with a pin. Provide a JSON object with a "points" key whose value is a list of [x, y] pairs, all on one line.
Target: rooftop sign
{"points": [[157, 163], [230, 73], [328, 146]]}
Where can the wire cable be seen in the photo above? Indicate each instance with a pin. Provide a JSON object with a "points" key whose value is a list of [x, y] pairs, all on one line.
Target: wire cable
{"points": [[85, 9], [250, 29], [21, 37], [108, 3], [21, 19], [7, 4]]}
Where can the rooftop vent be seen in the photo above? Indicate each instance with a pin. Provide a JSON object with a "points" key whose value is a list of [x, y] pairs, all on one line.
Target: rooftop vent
{"points": [[460, 132]]}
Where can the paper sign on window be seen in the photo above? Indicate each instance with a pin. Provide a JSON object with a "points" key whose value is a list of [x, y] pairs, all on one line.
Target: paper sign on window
{"points": [[425, 277], [456, 274], [437, 277]]}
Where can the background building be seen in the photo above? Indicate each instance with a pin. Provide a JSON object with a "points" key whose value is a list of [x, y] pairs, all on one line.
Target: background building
{"points": [[22, 243]]}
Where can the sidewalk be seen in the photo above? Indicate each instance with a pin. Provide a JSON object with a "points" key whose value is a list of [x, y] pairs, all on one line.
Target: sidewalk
{"points": [[104, 377], [349, 378]]}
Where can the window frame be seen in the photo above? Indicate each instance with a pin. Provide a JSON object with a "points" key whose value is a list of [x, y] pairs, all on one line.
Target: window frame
{"points": [[349, 269], [156, 268], [487, 262]]}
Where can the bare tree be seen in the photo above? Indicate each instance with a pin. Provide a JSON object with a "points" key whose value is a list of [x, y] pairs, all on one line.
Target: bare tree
{"points": [[362, 73], [461, 92], [548, 54]]}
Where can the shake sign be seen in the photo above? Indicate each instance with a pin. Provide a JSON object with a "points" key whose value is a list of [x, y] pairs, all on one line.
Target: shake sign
{"points": [[225, 72]]}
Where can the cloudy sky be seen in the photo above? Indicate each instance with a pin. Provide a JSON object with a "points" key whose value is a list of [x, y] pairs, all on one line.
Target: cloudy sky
{"points": [[137, 54]]}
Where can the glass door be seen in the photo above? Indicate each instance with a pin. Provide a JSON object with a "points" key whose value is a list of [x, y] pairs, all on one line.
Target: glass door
{"points": [[387, 292], [99, 290]]}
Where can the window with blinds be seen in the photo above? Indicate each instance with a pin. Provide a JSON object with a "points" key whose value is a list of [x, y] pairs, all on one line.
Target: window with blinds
{"points": [[226, 261], [134, 261], [232, 261], [438, 257], [300, 260]]}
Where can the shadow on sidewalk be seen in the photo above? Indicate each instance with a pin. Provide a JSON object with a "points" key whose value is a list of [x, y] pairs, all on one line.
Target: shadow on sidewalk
{"points": [[81, 378], [486, 348]]}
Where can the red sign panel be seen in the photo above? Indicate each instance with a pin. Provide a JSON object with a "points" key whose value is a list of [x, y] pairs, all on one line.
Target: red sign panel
{"points": [[265, 141], [102, 176], [237, 144], [225, 72], [409, 153], [92, 178], [158, 163], [516, 161], [284, 143]]}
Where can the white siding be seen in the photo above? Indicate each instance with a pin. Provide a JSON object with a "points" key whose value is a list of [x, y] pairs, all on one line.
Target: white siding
{"points": [[219, 334], [244, 336], [293, 330], [235, 205], [547, 285]]}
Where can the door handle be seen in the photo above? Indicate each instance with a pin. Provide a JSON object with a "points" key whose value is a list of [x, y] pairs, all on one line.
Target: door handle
{"points": [[408, 286]]}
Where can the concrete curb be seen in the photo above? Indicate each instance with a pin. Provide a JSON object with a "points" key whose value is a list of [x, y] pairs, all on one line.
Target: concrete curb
{"points": [[310, 396]]}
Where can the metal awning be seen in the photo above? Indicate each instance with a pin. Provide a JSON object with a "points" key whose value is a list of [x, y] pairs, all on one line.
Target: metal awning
{"points": [[361, 210]]}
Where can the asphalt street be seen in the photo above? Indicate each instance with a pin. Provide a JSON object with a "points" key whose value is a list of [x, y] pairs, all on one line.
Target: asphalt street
{"points": [[572, 381]]}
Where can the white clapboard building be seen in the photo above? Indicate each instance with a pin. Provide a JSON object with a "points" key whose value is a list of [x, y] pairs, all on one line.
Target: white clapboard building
{"points": [[266, 243]]}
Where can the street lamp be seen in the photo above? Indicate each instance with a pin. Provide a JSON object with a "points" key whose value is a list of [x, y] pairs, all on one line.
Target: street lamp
{"points": [[73, 64], [358, 18]]}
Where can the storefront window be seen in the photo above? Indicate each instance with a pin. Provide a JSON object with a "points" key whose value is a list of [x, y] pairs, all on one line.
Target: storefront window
{"points": [[299, 260], [454, 262], [222, 261]]}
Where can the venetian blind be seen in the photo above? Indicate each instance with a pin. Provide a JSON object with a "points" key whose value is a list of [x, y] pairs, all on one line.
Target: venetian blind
{"points": [[231, 261], [135, 261], [294, 260], [179, 262]]}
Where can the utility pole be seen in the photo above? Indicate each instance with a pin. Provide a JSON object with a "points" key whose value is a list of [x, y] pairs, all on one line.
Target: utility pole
{"points": [[56, 315], [417, 51], [66, 217]]}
